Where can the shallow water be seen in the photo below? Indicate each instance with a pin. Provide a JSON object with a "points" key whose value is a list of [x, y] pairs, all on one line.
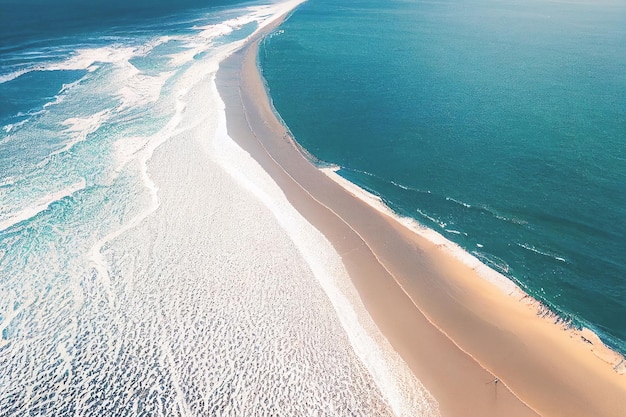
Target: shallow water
{"points": [[148, 265]]}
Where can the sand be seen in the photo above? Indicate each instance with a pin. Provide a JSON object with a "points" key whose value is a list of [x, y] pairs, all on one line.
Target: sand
{"points": [[481, 349]]}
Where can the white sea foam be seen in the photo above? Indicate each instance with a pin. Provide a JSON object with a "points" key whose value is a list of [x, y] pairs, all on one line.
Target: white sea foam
{"points": [[211, 32], [459, 202], [542, 252], [431, 218], [13, 75], [404, 187], [82, 59], [141, 89], [57, 99], [13, 126], [39, 206], [263, 15], [82, 126], [500, 216], [206, 35], [78, 128], [88, 59]]}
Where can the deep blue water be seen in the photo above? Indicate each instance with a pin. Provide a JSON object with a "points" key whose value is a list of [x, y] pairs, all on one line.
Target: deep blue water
{"points": [[41, 22], [499, 124]]}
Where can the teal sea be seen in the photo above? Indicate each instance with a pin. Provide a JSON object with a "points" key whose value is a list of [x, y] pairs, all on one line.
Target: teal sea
{"points": [[499, 124]]}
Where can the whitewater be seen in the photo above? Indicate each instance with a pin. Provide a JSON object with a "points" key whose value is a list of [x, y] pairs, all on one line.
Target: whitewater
{"points": [[149, 266]]}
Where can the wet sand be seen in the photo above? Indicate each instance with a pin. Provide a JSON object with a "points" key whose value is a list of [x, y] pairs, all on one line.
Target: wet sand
{"points": [[458, 332]]}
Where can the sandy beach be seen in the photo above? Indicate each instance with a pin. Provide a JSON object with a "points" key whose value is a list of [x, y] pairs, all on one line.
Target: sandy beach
{"points": [[481, 349]]}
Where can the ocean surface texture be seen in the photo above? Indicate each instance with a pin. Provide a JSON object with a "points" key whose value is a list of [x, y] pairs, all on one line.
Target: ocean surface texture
{"points": [[148, 266], [499, 124]]}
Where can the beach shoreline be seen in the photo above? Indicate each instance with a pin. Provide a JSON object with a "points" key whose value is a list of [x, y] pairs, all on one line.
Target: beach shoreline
{"points": [[479, 348]]}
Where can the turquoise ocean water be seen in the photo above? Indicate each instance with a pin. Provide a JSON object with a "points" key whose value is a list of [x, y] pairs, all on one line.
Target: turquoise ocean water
{"points": [[499, 124]]}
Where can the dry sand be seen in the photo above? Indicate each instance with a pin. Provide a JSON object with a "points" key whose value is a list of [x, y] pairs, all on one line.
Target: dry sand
{"points": [[457, 331]]}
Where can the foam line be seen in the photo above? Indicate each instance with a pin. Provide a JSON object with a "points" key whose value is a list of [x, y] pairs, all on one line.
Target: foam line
{"points": [[533, 249], [78, 128], [40, 205], [83, 59]]}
